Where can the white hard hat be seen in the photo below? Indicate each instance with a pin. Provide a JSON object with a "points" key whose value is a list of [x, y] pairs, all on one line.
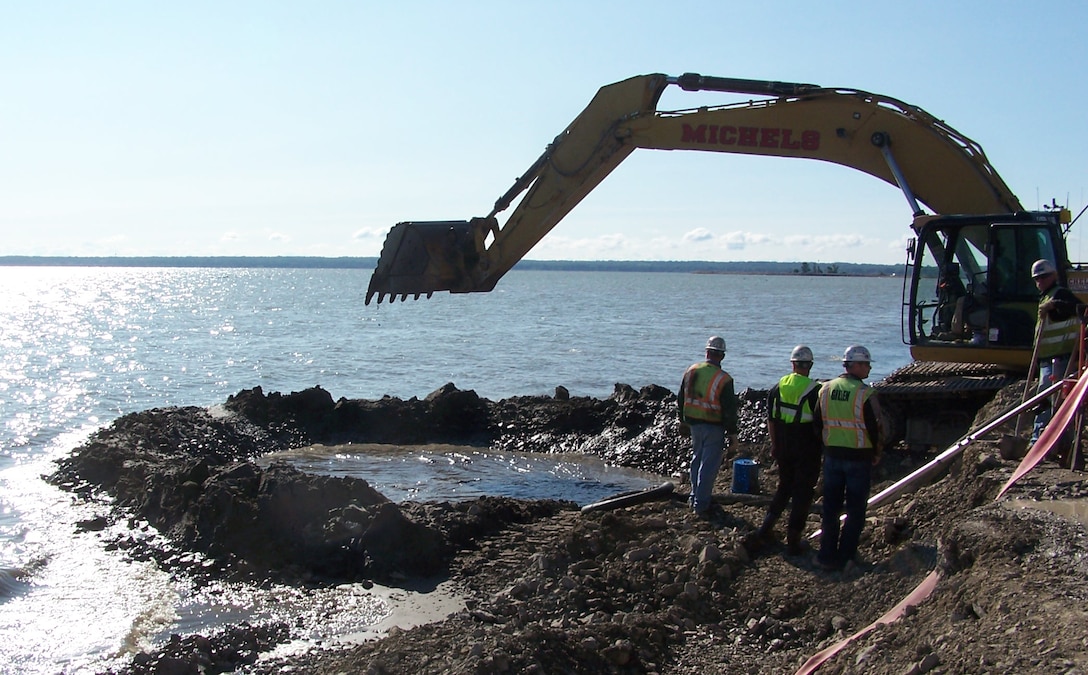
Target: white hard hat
{"points": [[801, 353], [856, 353], [716, 344], [1042, 267]]}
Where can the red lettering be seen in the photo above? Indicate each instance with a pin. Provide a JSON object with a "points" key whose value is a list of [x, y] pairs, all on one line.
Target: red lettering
{"points": [[696, 135], [768, 138], [728, 136], [713, 133], [810, 139], [787, 140], [748, 136]]}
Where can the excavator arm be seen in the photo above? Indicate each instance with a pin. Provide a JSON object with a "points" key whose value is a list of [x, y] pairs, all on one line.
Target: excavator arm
{"points": [[901, 144]]}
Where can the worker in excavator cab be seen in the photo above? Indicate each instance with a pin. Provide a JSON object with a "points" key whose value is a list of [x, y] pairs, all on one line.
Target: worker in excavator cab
{"points": [[708, 407], [848, 419], [951, 299], [795, 448], [1057, 331]]}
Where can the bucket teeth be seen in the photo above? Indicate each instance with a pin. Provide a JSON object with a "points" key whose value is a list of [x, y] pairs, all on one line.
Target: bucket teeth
{"points": [[423, 257]]}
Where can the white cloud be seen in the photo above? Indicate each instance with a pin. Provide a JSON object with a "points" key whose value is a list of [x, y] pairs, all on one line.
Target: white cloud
{"points": [[697, 235], [824, 242], [662, 244], [611, 242], [900, 244], [826, 245], [364, 233], [739, 240], [702, 244], [607, 246]]}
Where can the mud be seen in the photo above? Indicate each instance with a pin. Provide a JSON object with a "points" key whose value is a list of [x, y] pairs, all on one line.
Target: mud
{"points": [[548, 589]]}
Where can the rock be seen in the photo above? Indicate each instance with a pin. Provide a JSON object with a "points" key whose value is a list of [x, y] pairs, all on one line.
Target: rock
{"points": [[96, 524], [864, 655], [620, 653], [741, 554], [987, 462], [395, 543], [710, 553]]}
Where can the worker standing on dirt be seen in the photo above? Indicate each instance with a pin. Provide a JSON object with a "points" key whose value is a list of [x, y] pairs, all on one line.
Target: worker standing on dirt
{"points": [[795, 447], [708, 406], [1057, 331], [847, 417]]}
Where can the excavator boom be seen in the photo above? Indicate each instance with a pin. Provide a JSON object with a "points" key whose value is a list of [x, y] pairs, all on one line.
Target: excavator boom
{"points": [[901, 144]]}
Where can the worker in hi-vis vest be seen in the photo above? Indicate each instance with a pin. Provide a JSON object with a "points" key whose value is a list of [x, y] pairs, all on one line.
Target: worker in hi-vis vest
{"points": [[848, 419], [708, 408], [1057, 333], [796, 450]]}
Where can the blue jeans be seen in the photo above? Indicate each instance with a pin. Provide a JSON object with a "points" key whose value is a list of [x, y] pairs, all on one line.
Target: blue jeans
{"points": [[846, 482], [1050, 371], [707, 447]]}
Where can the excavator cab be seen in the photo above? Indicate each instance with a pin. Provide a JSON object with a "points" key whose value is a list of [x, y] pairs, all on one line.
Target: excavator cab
{"points": [[969, 296]]}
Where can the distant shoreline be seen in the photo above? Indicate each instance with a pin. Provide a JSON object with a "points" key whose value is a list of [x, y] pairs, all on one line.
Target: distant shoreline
{"points": [[346, 262]]}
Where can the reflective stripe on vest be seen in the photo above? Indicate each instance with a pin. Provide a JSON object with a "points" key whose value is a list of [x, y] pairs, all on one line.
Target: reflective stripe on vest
{"points": [[703, 384], [842, 405], [1059, 337], [792, 405]]}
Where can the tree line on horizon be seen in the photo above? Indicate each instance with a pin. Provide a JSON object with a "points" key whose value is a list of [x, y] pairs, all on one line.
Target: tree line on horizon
{"points": [[350, 262]]}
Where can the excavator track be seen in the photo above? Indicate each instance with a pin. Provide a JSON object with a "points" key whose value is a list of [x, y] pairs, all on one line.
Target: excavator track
{"points": [[929, 378], [930, 404]]}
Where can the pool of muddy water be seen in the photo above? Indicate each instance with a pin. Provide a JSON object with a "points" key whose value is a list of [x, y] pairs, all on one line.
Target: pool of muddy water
{"points": [[1074, 509], [457, 473]]}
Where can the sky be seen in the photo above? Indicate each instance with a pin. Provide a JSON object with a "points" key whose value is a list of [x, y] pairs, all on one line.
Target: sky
{"points": [[308, 129]]}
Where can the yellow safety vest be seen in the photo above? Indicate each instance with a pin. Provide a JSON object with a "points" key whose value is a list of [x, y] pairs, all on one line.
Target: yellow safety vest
{"points": [[703, 384], [842, 406], [1059, 337], [792, 405]]}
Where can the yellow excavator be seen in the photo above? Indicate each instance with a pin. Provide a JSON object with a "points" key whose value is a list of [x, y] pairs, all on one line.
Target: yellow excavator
{"points": [[969, 303]]}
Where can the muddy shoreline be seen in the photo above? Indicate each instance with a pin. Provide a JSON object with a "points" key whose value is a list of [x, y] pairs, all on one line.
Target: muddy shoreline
{"points": [[190, 471], [648, 588]]}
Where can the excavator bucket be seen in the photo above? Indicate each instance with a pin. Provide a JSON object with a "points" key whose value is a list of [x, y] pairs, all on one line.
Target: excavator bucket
{"points": [[423, 257]]}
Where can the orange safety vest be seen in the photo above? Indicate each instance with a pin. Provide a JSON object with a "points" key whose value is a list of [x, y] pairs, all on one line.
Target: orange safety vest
{"points": [[703, 384]]}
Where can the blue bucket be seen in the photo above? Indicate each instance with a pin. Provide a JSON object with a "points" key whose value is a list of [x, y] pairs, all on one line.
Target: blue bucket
{"points": [[745, 476]]}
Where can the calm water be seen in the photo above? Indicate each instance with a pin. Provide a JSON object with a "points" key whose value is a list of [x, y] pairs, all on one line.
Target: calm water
{"points": [[80, 347]]}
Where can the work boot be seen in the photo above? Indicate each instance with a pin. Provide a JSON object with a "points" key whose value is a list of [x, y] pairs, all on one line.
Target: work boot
{"points": [[765, 533], [761, 536], [794, 544]]}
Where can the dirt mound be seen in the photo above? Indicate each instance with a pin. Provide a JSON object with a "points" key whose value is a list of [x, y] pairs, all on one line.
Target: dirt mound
{"points": [[649, 588]]}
